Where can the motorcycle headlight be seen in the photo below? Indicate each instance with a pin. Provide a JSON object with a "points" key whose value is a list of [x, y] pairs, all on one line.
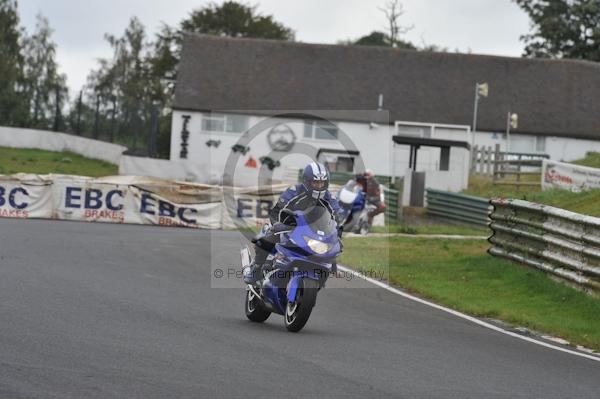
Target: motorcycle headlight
{"points": [[317, 246]]}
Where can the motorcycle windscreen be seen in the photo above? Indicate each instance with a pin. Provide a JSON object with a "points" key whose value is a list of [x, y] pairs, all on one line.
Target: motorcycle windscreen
{"points": [[319, 219], [347, 196]]}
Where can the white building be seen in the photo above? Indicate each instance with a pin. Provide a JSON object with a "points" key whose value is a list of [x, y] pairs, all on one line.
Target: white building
{"points": [[211, 138], [226, 86]]}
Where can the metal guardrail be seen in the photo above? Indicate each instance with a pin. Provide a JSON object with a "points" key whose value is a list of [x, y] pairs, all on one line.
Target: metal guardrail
{"points": [[562, 243], [458, 207], [393, 209]]}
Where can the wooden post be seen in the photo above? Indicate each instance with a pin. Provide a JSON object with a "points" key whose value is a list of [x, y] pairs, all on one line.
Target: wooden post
{"points": [[482, 160], [488, 160], [496, 162], [519, 172], [474, 159]]}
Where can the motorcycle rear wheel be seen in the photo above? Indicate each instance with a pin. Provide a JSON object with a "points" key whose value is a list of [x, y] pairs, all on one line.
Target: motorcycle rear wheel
{"points": [[255, 311], [297, 312]]}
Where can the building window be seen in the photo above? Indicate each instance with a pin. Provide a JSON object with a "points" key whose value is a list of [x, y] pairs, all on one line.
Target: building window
{"points": [[344, 164], [236, 123], [320, 130], [522, 143], [540, 144], [417, 131], [308, 129], [221, 123], [213, 123]]}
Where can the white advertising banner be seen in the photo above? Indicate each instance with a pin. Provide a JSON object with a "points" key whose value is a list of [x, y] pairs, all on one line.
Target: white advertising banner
{"points": [[154, 209], [568, 176], [25, 197], [87, 200], [247, 210], [134, 200]]}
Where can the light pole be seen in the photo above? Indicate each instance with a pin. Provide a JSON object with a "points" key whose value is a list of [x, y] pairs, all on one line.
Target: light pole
{"points": [[481, 90]]}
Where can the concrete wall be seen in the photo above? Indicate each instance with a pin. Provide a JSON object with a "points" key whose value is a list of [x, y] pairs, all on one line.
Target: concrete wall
{"points": [[52, 141], [164, 169]]}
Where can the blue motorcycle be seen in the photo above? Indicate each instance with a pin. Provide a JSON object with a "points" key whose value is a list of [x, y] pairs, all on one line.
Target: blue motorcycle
{"points": [[296, 269], [355, 209]]}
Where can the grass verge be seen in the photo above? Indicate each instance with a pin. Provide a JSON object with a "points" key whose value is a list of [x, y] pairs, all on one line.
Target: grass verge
{"points": [[586, 202], [461, 275], [483, 186], [432, 229], [28, 160], [592, 159]]}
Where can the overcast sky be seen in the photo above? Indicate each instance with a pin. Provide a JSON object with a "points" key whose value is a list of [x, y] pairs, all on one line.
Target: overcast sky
{"points": [[480, 26]]}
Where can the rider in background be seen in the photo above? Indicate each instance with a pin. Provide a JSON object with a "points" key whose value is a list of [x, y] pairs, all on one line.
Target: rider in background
{"points": [[370, 186], [313, 191]]}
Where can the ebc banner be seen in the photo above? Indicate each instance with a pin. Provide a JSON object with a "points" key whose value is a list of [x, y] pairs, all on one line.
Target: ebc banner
{"points": [[132, 200], [154, 209], [20, 199], [88, 201], [247, 210]]}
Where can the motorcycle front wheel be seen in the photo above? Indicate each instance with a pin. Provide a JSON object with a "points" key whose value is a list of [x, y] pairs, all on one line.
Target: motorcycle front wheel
{"points": [[255, 310], [364, 229], [298, 311]]}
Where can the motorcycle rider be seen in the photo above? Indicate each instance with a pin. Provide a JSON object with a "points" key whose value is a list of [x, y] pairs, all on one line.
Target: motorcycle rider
{"points": [[313, 191], [370, 186]]}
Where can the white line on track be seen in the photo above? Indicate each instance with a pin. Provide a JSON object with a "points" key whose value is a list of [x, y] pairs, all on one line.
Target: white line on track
{"points": [[464, 316]]}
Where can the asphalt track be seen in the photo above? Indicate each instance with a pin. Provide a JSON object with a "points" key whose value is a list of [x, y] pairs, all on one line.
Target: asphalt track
{"points": [[117, 311]]}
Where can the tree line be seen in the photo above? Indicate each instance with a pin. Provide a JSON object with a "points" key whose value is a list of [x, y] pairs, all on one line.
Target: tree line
{"points": [[127, 97], [32, 91]]}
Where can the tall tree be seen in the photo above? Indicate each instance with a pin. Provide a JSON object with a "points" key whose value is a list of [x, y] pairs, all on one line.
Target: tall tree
{"points": [[563, 28], [162, 64], [124, 93], [393, 10], [228, 19], [122, 90], [13, 108], [45, 87], [377, 38], [235, 20]]}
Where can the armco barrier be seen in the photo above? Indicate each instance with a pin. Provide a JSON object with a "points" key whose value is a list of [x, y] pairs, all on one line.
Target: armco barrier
{"points": [[562, 243], [392, 206], [458, 207]]}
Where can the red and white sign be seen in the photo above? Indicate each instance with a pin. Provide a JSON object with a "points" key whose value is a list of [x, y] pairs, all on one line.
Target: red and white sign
{"points": [[568, 176]]}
